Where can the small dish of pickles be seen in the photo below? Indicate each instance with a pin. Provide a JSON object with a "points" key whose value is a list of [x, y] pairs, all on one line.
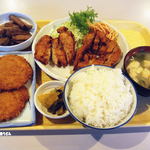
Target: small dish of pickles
{"points": [[48, 100]]}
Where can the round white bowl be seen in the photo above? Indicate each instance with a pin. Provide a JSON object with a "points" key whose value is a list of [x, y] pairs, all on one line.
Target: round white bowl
{"points": [[76, 75], [63, 73], [5, 18], [45, 87]]}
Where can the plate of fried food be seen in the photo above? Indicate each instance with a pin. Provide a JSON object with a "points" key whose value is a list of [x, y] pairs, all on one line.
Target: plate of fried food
{"points": [[17, 85], [66, 45]]}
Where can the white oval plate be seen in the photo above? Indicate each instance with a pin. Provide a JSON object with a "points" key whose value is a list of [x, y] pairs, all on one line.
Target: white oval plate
{"points": [[61, 73]]}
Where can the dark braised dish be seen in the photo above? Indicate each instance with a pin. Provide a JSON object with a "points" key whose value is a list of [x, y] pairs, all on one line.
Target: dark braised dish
{"points": [[14, 32]]}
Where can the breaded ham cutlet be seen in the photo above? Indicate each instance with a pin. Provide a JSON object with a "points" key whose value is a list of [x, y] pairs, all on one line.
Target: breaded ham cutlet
{"points": [[15, 71], [12, 103]]}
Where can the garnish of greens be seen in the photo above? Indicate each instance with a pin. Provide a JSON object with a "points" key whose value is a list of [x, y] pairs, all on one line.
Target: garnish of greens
{"points": [[82, 19]]}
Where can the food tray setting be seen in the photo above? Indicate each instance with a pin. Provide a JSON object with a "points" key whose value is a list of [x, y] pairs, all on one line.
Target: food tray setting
{"points": [[136, 35]]}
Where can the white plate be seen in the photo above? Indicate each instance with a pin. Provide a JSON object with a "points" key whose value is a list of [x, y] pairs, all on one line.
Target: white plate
{"points": [[61, 73], [27, 116]]}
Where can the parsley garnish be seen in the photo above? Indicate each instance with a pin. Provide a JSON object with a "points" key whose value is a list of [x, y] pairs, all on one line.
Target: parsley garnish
{"points": [[82, 18]]}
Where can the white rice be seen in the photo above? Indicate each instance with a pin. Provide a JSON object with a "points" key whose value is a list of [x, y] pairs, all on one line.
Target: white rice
{"points": [[100, 98]]}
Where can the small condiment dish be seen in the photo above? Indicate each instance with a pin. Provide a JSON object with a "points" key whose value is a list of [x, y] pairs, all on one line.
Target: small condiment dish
{"points": [[44, 88]]}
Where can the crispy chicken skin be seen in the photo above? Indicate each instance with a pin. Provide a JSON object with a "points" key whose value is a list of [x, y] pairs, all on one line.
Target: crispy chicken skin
{"points": [[96, 42], [90, 59], [97, 49], [87, 41], [54, 49], [66, 38], [43, 49], [113, 58], [58, 54]]}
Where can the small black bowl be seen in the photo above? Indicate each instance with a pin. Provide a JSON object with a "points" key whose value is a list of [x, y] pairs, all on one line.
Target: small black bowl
{"points": [[140, 89]]}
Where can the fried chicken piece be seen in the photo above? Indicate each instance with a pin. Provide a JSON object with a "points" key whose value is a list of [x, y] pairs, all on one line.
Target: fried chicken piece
{"points": [[15, 71], [114, 57], [58, 54], [12, 103], [62, 29], [97, 49], [54, 49], [102, 50], [67, 40], [87, 41], [90, 61], [43, 49], [110, 46], [61, 57], [102, 36], [96, 42]]}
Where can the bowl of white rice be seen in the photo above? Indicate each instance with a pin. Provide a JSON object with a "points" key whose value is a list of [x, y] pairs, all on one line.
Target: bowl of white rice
{"points": [[100, 97]]}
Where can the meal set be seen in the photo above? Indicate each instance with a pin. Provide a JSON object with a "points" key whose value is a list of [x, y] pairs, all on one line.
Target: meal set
{"points": [[97, 75]]}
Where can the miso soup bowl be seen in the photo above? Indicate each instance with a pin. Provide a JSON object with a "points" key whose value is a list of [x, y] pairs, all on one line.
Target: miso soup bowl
{"points": [[140, 89]]}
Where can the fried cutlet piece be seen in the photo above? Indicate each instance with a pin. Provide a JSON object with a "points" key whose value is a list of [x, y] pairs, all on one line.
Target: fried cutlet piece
{"points": [[114, 57], [54, 49], [12, 103], [68, 42], [89, 59], [58, 54], [110, 46], [43, 49], [96, 42], [87, 42], [15, 71]]}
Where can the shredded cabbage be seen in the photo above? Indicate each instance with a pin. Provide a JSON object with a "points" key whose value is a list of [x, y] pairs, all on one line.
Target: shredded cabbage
{"points": [[77, 34]]}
